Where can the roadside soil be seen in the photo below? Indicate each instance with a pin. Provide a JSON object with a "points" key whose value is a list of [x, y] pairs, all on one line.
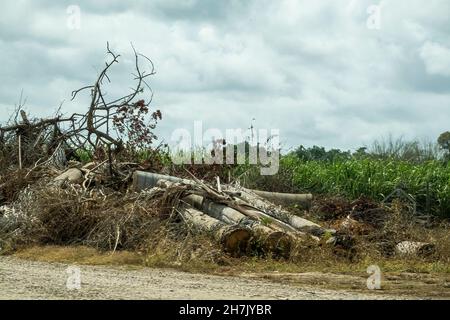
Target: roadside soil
{"points": [[25, 279]]}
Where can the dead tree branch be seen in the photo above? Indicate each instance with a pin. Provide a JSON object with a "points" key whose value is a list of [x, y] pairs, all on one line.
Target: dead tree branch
{"points": [[106, 125]]}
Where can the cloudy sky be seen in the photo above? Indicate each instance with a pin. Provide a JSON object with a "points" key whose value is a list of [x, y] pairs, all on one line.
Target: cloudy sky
{"points": [[325, 72]]}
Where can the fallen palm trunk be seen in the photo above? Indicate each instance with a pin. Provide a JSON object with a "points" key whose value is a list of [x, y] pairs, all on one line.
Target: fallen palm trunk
{"points": [[275, 241], [250, 211], [298, 223], [304, 200], [238, 212], [272, 241], [409, 248], [143, 180], [233, 238]]}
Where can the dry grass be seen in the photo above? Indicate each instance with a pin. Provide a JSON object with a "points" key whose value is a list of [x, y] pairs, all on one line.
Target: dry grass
{"points": [[79, 255], [12, 182], [198, 254], [400, 276], [192, 263], [103, 219], [168, 246]]}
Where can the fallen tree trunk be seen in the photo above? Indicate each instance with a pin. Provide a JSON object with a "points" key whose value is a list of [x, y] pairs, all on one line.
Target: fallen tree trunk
{"points": [[146, 180], [304, 200], [272, 241], [268, 219], [143, 180], [267, 207], [233, 238], [235, 212]]}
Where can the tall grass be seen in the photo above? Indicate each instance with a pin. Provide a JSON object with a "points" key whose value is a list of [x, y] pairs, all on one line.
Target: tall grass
{"points": [[378, 178], [374, 178]]}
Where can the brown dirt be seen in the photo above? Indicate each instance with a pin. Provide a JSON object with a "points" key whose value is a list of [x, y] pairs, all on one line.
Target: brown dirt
{"points": [[24, 279]]}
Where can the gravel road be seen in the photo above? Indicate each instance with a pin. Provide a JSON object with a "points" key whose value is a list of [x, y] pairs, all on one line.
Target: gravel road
{"points": [[23, 279]]}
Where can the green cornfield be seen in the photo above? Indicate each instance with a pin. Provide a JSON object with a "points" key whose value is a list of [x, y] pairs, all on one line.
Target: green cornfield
{"points": [[375, 179]]}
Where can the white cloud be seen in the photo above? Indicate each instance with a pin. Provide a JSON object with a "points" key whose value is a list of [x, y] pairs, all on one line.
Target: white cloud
{"points": [[436, 58], [310, 68]]}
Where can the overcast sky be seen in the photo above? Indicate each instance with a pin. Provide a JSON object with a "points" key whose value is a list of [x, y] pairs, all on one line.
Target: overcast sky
{"points": [[323, 72]]}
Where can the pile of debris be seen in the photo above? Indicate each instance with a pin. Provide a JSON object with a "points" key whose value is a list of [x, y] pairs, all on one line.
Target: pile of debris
{"points": [[385, 227], [234, 215], [81, 200], [85, 205]]}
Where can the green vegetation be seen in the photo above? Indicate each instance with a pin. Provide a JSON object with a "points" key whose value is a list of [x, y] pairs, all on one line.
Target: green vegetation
{"points": [[84, 155], [418, 169], [444, 144], [375, 179]]}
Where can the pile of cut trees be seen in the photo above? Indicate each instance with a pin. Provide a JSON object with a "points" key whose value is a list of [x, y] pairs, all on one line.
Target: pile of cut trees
{"points": [[234, 215]]}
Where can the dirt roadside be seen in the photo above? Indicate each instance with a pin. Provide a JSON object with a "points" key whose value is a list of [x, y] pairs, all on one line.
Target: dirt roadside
{"points": [[23, 279]]}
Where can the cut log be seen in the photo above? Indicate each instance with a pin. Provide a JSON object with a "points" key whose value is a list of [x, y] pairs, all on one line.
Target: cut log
{"points": [[272, 241], [267, 207], [234, 239], [143, 180], [420, 249], [218, 211], [265, 218], [73, 175], [147, 180], [303, 200]]}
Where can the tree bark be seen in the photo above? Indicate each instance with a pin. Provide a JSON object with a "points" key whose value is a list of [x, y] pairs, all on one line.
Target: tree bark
{"points": [[147, 180], [304, 200], [233, 238], [267, 207], [272, 240], [143, 180]]}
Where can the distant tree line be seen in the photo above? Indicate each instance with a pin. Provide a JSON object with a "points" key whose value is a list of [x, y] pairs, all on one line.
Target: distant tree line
{"points": [[389, 148]]}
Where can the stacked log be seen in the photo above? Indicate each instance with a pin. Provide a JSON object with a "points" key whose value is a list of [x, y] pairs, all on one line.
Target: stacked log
{"points": [[272, 240], [234, 239], [263, 205], [302, 200], [274, 228], [143, 180]]}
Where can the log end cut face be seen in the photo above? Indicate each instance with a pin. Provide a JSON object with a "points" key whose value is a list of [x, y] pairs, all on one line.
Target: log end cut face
{"points": [[235, 240]]}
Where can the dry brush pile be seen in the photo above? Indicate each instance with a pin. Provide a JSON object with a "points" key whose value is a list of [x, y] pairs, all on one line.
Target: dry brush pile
{"points": [[81, 206]]}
